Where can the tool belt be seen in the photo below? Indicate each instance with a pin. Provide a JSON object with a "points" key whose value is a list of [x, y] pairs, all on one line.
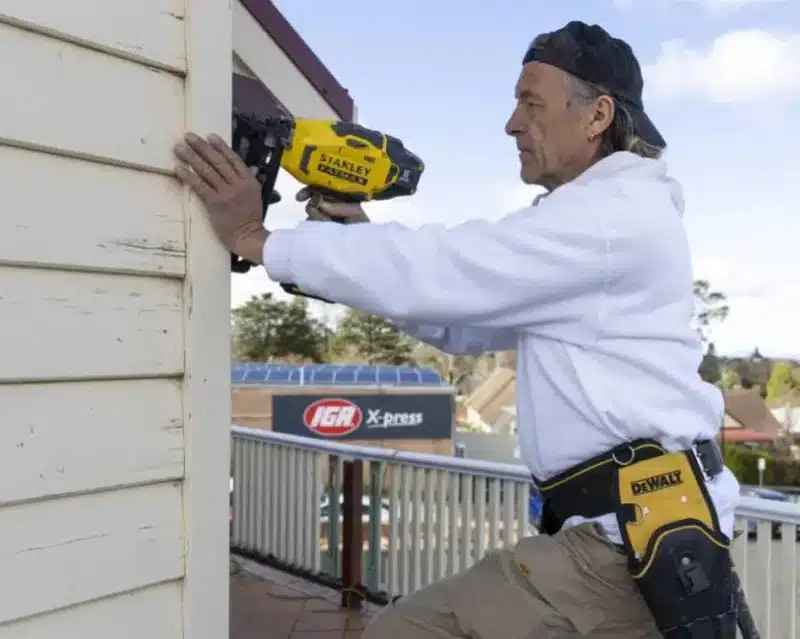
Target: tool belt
{"points": [[677, 554]]}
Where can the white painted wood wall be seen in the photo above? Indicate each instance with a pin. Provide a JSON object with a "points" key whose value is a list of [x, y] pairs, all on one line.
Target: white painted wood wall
{"points": [[114, 377]]}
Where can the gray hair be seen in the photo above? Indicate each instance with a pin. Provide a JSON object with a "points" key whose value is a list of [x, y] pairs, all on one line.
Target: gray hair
{"points": [[620, 135]]}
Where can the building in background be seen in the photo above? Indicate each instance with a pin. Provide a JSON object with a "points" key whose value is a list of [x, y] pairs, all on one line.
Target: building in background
{"points": [[402, 408], [748, 420]]}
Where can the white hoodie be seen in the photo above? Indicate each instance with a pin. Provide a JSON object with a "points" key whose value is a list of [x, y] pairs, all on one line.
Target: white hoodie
{"points": [[592, 287]]}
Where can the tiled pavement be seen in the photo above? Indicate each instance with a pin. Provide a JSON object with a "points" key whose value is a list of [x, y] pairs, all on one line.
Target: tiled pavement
{"points": [[268, 604]]}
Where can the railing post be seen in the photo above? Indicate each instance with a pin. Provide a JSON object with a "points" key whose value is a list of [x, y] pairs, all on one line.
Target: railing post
{"points": [[352, 533], [374, 553]]}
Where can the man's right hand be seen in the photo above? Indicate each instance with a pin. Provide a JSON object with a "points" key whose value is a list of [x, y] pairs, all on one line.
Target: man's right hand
{"points": [[326, 209]]}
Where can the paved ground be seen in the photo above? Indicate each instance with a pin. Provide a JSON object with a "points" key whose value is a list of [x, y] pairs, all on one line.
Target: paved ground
{"points": [[268, 604]]}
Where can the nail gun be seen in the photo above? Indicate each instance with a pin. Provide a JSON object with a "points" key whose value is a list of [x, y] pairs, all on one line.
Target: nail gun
{"points": [[342, 159]]}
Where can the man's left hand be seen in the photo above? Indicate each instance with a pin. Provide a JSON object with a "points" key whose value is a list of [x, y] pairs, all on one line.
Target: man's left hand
{"points": [[230, 192]]}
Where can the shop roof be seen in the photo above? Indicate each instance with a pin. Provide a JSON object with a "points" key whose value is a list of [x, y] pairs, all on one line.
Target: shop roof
{"points": [[268, 374]]}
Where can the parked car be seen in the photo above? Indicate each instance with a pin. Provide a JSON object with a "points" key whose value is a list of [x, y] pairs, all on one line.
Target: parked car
{"points": [[772, 495], [535, 508], [325, 509]]}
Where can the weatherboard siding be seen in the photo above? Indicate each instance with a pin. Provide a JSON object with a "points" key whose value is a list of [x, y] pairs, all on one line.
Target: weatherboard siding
{"points": [[113, 323]]}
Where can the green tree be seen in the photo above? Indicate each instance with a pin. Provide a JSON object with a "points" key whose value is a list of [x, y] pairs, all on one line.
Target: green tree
{"points": [[454, 369], [730, 379], [782, 387], [710, 369], [375, 340], [710, 308], [754, 372], [267, 329]]}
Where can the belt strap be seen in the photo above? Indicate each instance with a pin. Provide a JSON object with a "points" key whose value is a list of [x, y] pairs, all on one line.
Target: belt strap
{"points": [[585, 490]]}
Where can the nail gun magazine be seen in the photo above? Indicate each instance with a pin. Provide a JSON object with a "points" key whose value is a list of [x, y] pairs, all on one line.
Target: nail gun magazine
{"points": [[343, 160]]}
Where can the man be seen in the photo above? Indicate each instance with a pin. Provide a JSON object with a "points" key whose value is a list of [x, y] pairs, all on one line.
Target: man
{"points": [[593, 288]]}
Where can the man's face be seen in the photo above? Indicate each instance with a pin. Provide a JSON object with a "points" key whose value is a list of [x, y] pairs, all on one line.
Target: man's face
{"points": [[554, 138]]}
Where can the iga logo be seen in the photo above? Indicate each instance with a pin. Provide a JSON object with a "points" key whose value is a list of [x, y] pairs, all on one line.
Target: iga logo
{"points": [[377, 418], [332, 417]]}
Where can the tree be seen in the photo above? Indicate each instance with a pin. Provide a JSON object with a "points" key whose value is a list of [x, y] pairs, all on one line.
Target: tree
{"points": [[266, 329], [456, 370], [710, 369], [754, 372], [373, 339], [300, 335], [782, 387], [710, 308], [730, 379]]}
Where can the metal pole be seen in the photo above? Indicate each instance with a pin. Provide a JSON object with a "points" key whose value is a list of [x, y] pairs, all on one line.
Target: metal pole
{"points": [[352, 534]]}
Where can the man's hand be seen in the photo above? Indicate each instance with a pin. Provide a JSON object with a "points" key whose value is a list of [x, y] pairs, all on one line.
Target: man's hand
{"points": [[230, 192], [324, 209]]}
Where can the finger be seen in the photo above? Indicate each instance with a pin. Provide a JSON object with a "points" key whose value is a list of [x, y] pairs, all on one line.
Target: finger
{"points": [[313, 211], [306, 193], [216, 160], [315, 215], [194, 182], [339, 209], [199, 165], [230, 155]]}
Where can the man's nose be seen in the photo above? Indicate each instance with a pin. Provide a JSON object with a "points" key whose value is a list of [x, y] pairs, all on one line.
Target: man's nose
{"points": [[513, 126]]}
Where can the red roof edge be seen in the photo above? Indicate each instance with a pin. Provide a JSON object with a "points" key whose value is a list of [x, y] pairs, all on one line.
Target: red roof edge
{"points": [[250, 96], [284, 35]]}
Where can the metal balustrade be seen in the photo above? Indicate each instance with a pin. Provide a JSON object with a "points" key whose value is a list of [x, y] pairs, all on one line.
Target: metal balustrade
{"points": [[425, 517]]}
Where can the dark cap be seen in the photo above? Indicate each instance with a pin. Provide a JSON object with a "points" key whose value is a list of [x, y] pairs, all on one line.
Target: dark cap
{"points": [[592, 55]]}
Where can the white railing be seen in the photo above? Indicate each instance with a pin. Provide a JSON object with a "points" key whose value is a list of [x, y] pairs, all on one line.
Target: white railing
{"points": [[423, 519]]}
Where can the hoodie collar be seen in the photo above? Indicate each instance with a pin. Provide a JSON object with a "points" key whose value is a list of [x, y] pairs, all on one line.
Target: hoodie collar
{"points": [[627, 166]]}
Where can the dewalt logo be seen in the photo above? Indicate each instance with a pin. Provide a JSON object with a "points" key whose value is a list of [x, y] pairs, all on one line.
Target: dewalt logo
{"points": [[657, 482], [343, 169]]}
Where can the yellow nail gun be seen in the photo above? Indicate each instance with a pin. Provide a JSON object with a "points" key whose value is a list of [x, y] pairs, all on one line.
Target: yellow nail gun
{"points": [[341, 159]]}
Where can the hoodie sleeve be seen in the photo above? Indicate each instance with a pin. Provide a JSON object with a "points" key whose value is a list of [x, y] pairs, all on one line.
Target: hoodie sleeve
{"points": [[457, 340], [537, 266]]}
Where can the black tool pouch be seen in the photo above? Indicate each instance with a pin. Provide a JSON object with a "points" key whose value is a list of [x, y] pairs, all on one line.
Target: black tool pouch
{"points": [[678, 556]]}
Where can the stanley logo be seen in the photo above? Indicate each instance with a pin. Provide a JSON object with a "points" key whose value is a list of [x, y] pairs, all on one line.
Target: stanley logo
{"points": [[343, 169], [657, 482]]}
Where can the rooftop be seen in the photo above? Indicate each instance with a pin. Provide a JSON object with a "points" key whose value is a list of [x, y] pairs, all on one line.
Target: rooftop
{"points": [[269, 374]]}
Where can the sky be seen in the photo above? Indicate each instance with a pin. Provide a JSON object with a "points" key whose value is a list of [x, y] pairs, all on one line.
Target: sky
{"points": [[722, 83]]}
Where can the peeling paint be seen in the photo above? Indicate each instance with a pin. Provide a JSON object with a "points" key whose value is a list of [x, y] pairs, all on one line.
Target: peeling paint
{"points": [[177, 16], [165, 248]]}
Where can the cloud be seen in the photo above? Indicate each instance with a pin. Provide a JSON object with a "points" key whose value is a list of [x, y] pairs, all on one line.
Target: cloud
{"points": [[763, 310], [712, 6], [768, 323], [746, 66], [717, 5]]}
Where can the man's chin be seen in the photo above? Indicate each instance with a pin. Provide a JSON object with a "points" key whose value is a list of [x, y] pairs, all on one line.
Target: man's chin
{"points": [[529, 175]]}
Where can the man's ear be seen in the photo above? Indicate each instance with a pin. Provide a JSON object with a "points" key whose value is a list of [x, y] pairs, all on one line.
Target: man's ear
{"points": [[601, 116]]}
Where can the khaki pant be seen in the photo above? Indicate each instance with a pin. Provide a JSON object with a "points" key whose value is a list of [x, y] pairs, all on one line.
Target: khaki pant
{"points": [[573, 584]]}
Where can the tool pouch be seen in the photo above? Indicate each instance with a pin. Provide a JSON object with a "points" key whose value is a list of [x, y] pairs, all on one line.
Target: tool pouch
{"points": [[678, 556]]}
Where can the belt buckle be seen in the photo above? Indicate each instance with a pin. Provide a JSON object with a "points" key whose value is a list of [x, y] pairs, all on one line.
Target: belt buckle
{"points": [[701, 463]]}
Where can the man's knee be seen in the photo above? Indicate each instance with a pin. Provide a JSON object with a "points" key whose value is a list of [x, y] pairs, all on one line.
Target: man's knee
{"points": [[413, 617]]}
